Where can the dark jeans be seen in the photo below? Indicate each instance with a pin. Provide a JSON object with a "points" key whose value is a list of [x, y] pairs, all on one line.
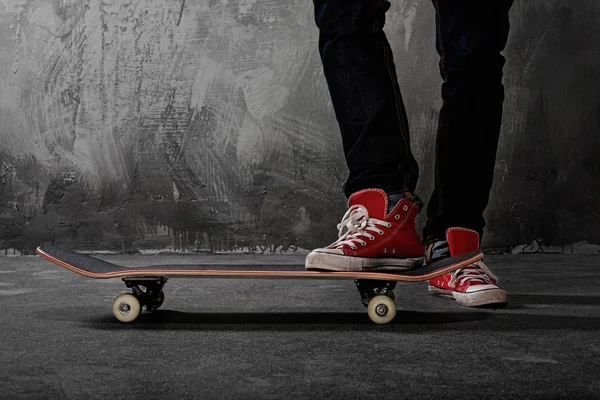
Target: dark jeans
{"points": [[361, 76]]}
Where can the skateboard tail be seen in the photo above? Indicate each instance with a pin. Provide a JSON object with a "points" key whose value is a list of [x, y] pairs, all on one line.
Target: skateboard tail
{"points": [[68, 266]]}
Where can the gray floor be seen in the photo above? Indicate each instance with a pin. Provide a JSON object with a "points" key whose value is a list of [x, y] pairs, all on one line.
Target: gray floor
{"points": [[230, 338]]}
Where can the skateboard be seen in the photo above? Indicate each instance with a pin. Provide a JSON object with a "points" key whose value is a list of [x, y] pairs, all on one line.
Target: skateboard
{"points": [[147, 282]]}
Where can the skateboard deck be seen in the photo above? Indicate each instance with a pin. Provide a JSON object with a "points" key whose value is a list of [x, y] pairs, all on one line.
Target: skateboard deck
{"points": [[147, 281]]}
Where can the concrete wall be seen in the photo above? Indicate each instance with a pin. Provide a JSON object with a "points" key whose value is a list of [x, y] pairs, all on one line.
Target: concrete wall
{"points": [[130, 124]]}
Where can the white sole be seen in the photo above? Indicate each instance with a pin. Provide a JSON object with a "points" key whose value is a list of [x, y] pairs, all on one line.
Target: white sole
{"points": [[440, 292], [473, 299], [342, 263]]}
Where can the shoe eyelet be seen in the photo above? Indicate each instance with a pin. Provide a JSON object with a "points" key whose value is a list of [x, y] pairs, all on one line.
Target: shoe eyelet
{"points": [[385, 250], [381, 233], [397, 216], [353, 247], [372, 238], [405, 208], [389, 225], [393, 250]]}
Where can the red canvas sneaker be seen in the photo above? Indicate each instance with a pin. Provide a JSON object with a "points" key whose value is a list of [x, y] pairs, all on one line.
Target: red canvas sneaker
{"points": [[373, 234], [474, 285]]}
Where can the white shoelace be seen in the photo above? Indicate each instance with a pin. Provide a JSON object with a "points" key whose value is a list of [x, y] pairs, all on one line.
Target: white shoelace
{"points": [[356, 223], [477, 271]]}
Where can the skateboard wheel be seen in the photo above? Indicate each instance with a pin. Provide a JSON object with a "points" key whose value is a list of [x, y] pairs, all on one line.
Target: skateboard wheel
{"points": [[381, 309], [156, 302], [161, 299], [126, 307]]}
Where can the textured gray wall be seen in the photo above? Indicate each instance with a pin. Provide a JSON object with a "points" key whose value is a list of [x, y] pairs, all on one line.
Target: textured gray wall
{"points": [[202, 124]]}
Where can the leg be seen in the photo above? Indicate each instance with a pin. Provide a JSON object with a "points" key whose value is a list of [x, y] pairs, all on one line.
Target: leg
{"points": [[470, 37], [361, 76]]}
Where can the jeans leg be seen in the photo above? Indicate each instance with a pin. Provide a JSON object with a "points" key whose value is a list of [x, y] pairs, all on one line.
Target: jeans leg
{"points": [[361, 76], [471, 34]]}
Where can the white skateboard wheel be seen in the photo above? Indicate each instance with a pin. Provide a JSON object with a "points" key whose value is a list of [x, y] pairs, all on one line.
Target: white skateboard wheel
{"points": [[381, 309], [126, 307]]}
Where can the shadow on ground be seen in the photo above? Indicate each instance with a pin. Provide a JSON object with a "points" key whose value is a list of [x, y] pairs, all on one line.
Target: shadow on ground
{"points": [[167, 319], [514, 317]]}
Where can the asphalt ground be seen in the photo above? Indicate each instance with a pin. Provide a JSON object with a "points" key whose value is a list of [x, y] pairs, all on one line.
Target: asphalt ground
{"points": [[299, 339]]}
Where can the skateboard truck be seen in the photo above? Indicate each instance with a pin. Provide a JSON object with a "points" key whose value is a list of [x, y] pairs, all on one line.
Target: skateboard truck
{"points": [[371, 288], [145, 292]]}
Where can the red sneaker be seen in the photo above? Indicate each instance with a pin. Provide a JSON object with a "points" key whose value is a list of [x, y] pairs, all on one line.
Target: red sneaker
{"points": [[371, 236], [474, 285]]}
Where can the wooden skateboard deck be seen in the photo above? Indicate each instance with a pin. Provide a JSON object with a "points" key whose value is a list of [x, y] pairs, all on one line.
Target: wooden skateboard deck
{"points": [[92, 267], [147, 281]]}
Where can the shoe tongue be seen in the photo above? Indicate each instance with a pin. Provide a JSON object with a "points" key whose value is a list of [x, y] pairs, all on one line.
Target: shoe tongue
{"points": [[374, 200], [462, 241]]}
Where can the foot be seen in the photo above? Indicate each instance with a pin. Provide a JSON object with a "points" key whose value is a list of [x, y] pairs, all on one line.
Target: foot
{"points": [[377, 232], [474, 285]]}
